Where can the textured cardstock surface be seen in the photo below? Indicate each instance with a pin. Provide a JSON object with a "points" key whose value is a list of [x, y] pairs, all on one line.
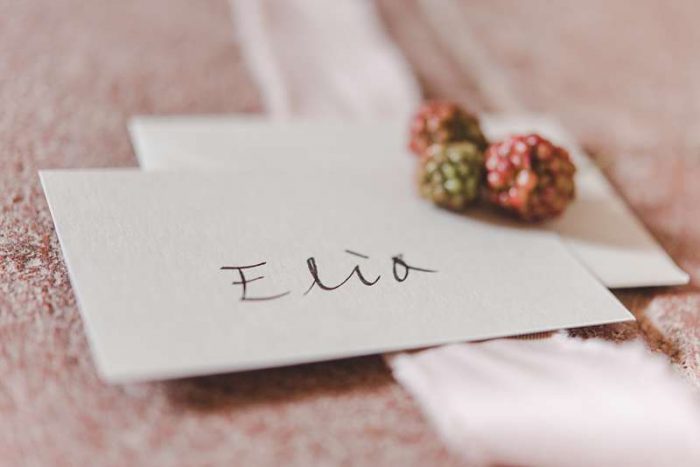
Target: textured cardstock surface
{"points": [[354, 263], [598, 228]]}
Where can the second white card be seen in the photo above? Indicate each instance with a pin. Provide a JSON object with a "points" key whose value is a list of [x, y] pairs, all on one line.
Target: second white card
{"points": [[599, 229]]}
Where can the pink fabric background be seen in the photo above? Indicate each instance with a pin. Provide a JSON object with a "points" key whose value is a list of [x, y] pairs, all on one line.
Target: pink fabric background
{"points": [[71, 72]]}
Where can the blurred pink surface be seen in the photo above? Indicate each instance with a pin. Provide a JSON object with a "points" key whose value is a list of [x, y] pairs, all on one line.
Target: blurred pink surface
{"points": [[72, 72]]}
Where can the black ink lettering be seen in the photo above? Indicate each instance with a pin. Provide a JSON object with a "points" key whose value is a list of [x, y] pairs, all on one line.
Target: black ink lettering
{"points": [[245, 281], [313, 269], [357, 254], [400, 265]]}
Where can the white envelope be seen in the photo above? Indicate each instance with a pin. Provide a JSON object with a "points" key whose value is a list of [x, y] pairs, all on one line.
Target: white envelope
{"points": [[191, 273], [598, 228]]}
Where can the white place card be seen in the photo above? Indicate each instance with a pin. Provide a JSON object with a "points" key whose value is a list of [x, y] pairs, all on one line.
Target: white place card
{"points": [[599, 229], [181, 274]]}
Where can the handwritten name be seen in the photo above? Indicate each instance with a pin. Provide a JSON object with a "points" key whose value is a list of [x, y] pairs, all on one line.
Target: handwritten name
{"points": [[400, 271]]}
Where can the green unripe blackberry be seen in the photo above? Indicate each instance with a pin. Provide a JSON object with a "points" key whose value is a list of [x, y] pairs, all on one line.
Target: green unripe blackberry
{"points": [[450, 174]]}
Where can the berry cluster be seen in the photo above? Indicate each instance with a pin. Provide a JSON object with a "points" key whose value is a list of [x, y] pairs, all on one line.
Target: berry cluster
{"points": [[524, 175]]}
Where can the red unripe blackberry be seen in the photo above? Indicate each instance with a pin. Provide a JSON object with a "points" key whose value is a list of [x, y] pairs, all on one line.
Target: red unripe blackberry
{"points": [[529, 176], [441, 122]]}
